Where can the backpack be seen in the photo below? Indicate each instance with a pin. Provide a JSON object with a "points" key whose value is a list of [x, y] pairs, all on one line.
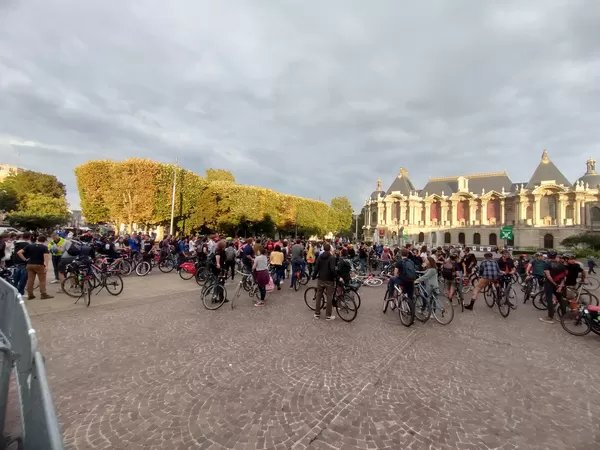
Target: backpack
{"points": [[409, 272], [557, 270], [75, 248], [212, 260], [448, 269], [230, 254]]}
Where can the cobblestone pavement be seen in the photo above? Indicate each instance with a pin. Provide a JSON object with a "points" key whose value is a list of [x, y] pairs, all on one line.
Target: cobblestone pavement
{"points": [[161, 372]]}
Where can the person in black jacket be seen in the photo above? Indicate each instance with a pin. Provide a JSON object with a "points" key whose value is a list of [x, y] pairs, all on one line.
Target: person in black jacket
{"points": [[325, 273]]}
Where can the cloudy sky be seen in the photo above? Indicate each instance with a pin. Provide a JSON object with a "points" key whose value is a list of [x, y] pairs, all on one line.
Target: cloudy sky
{"points": [[314, 98]]}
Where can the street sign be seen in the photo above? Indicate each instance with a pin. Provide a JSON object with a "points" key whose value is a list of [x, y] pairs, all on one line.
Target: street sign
{"points": [[506, 233]]}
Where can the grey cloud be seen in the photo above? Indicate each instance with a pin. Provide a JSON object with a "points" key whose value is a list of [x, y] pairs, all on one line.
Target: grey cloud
{"points": [[315, 98]]}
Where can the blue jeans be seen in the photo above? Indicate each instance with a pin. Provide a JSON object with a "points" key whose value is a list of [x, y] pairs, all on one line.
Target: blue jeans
{"points": [[297, 266], [20, 278], [363, 265], [278, 275]]}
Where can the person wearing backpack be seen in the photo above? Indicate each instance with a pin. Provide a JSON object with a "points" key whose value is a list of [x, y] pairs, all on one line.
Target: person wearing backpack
{"points": [[405, 274], [230, 254], [556, 273], [450, 271]]}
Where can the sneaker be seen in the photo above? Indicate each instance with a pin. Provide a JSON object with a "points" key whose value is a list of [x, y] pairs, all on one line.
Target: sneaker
{"points": [[60, 291], [330, 318], [547, 320], [259, 304], [30, 297], [54, 282], [317, 316], [46, 296]]}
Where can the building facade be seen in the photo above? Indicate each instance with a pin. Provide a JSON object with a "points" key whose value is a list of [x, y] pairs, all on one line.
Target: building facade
{"points": [[471, 209], [6, 171]]}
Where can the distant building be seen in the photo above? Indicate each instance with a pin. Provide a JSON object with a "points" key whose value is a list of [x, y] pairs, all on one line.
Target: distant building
{"points": [[77, 220], [6, 171], [471, 209]]}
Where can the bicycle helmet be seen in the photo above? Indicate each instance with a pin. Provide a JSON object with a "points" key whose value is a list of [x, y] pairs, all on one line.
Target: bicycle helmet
{"points": [[551, 254], [539, 254], [569, 256]]}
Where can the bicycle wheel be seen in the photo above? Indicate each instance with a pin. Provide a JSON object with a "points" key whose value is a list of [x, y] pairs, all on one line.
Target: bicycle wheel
{"points": [[407, 312], [185, 275], [588, 298], [489, 295], [422, 310], [503, 304], [461, 300], [346, 308], [166, 265], [466, 288], [114, 284], [374, 282], [593, 283], [87, 293], [527, 292], [386, 302], [143, 269], [310, 298], [512, 297], [238, 291], [124, 267], [214, 297], [201, 277], [575, 323], [296, 281], [71, 286], [539, 301], [353, 293], [303, 279], [443, 310]]}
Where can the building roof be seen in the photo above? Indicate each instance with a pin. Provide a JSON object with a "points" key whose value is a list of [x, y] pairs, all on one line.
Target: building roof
{"points": [[591, 177], [477, 183], [401, 184], [377, 192], [546, 171]]}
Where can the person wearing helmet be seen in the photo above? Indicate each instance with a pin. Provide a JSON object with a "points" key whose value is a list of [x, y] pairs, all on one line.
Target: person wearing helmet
{"points": [[574, 271], [489, 272], [555, 272], [535, 269], [507, 268]]}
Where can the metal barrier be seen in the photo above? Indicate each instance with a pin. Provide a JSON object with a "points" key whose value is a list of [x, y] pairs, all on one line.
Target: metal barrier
{"points": [[19, 355]]}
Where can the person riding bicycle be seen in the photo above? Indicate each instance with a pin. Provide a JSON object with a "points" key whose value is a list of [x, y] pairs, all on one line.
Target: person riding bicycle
{"points": [[489, 272], [451, 271], [555, 272], [535, 268], [507, 267], [405, 274], [429, 279], [574, 269]]}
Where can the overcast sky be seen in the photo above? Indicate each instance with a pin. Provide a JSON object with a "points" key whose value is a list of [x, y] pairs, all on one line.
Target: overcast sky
{"points": [[313, 98]]}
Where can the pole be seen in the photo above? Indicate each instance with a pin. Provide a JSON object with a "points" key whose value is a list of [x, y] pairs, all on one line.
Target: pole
{"points": [[173, 197]]}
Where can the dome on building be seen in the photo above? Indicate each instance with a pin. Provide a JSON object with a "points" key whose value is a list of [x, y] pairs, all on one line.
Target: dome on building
{"points": [[378, 192], [591, 177]]}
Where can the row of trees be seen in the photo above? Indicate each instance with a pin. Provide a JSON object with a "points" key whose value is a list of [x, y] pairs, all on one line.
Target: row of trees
{"points": [[34, 200], [139, 191]]}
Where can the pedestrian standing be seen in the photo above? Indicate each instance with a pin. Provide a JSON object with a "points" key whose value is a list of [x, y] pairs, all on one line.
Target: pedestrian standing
{"points": [[37, 257], [325, 274]]}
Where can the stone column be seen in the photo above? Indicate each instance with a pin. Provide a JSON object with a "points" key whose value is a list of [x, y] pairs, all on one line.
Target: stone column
{"points": [[388, 213], [380, 217], [454, 222], [523, 211], [484, 218], [537, 220], [472, 211], [444, 212], [427, 206], [560, 212], [578, 212], [502, 216]]}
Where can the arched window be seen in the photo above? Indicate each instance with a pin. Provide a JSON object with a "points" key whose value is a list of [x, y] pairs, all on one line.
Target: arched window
{"points": [[447, 238], [595, 214], [434, 238], [461, 238], [477, 239], [421, 237], [493, 239], [548, 241]]}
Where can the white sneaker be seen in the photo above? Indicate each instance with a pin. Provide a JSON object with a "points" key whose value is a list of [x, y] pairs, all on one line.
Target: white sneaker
{"points": [[54, 281]]}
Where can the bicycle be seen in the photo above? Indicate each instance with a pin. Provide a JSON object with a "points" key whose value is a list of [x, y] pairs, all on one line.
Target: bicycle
{"points": [[582, 297], [246, 280], [343, 301], [103, 276], [213, 293], [400, 301], [494, 294], [424, 306], [587, 316], [458, 292], [300, 278], [533, 285]]}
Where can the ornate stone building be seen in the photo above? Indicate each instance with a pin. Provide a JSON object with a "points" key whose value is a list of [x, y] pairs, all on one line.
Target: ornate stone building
{"points": [[471, 209]]}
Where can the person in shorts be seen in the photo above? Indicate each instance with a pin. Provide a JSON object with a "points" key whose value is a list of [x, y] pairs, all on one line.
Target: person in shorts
{"points": [[489, 272]]}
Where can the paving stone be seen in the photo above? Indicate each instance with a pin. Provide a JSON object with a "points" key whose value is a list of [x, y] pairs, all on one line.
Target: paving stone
{"points": [[169, 374]]}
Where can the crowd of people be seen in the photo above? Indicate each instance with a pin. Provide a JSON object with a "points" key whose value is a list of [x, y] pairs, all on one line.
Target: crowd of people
{"points": [[327, 261]]}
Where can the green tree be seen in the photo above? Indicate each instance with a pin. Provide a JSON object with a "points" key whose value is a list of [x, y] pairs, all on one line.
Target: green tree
{"points": [[43, 205], [8, 198], [94, 181], [36, 222], [30, 182], [219, 175], [341, 214], [583, 241]]}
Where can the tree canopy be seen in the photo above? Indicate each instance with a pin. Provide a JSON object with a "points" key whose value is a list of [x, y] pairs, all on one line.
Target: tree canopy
{"points": [[34, 200], [139, 191]]}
